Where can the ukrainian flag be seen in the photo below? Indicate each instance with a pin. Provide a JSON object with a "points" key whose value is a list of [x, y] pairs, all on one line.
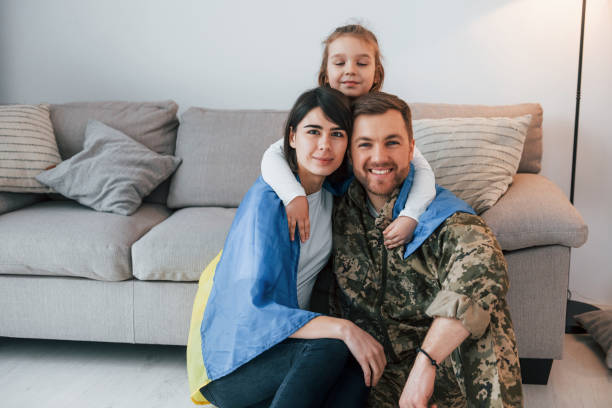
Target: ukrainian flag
{"points": [[247, 296]]}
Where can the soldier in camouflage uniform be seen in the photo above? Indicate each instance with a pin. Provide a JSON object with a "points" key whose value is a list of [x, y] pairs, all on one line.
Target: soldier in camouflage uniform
{"points": [[459, 272]]}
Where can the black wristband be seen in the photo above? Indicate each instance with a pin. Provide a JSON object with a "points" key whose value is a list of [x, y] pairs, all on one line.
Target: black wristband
{"points": [[433, 362]]}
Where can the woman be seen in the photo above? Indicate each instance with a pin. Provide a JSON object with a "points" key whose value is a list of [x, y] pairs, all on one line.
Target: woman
{"points": [[252, 341]]}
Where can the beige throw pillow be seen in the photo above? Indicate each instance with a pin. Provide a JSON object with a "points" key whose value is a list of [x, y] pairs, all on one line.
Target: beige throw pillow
{"points": [[475, 158], [27, 147]]}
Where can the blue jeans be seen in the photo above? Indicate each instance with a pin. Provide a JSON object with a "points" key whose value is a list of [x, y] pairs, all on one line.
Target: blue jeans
{"points": [[294, 373]]}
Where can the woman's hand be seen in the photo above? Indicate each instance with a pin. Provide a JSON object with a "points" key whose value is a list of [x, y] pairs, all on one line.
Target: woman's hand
{"points": [[399, 232], [368, 352], [297, 213]]}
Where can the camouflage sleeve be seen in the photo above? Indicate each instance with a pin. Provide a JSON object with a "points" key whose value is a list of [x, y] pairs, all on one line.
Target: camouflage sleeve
{"points": [[472, 272]]}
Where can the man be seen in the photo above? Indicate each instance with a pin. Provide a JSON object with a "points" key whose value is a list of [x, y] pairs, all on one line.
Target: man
{"points": [[440, 313]]}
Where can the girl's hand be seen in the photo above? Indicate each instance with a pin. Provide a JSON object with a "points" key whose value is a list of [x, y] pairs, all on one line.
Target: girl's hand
{"points": [[368, 352], [297, 213], [399, 232]]}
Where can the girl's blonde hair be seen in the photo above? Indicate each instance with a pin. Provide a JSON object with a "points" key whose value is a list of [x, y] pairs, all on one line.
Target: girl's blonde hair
{"points": [[359, 31]]}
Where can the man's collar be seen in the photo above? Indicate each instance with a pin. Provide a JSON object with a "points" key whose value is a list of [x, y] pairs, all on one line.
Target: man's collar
{"points": [[357, 194]]}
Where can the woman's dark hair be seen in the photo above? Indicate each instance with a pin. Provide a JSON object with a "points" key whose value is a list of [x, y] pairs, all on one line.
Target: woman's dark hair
{"points": [[336, 106]]}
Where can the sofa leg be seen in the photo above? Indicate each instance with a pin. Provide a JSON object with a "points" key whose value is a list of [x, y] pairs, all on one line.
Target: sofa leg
{"points": [[535, 370]]}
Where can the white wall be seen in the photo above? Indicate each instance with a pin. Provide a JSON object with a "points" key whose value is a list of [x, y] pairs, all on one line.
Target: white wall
{"points": [[245, 54], [591, 276]]}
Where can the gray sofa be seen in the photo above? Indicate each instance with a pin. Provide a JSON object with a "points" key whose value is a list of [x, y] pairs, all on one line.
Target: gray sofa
{"points": [[68, 272]]}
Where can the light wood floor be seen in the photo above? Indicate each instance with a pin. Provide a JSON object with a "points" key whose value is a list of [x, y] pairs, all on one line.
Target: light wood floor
{"points": [[63, 374]]}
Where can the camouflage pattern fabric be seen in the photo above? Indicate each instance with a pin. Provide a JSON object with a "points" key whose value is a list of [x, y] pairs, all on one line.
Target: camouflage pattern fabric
{"points": [[459, 272]]}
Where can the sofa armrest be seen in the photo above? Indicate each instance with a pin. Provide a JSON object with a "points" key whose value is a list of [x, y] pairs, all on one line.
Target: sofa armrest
{"points": [[14, 201], [535, 212]]}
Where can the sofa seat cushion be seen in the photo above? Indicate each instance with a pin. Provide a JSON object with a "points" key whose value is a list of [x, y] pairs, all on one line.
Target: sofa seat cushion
{"points": [[535, 212], [179, 248], [64, 238]]}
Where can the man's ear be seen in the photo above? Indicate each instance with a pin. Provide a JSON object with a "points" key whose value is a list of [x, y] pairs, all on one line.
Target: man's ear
{"points": [[412, 148], [291, 137]]}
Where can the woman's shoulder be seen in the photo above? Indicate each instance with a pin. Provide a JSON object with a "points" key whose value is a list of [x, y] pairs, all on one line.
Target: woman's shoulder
{"points": [[260, 191]]}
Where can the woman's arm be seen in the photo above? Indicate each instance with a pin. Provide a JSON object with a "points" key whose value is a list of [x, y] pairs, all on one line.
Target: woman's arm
{"points": [[367, 351], [276, 172]]}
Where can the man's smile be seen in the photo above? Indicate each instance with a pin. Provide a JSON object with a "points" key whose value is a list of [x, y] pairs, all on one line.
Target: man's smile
{"points": [[380, 171]]}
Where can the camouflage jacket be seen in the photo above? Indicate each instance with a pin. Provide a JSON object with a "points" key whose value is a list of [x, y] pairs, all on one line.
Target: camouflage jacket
{"points": [[458, 272]]}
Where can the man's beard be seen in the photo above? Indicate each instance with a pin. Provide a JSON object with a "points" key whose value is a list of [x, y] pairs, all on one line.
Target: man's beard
{"points": [[384, 190]]}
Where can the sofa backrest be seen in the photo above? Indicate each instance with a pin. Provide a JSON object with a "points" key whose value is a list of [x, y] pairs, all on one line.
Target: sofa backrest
{"points": [[222, 149], [531, 159], [154, 124], [221, 152]]}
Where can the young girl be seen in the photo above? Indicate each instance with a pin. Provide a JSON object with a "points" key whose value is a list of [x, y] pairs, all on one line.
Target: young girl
{"points": [[351, 64], [252, 341]]}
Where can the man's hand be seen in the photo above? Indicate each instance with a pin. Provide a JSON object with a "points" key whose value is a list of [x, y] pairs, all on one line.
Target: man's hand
{"points": [[399, 232], [420, 384], [297, 213], [444, 335], [368, 352]]}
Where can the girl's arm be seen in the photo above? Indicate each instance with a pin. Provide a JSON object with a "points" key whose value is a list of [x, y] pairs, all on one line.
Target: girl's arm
{"points": [[423, 189], [276, 172], [368, 352], [422, 193]]}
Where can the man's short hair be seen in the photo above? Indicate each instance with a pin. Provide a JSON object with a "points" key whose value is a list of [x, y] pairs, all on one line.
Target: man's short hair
{"points": [[377, 103]]}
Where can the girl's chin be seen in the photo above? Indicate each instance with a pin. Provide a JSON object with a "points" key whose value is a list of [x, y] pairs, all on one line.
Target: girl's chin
{"points": [[352, 91]]}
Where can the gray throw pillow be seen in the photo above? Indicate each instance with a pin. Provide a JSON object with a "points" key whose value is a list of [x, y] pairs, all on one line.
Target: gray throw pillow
{"points": [[112, 173], [598, 324]]}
